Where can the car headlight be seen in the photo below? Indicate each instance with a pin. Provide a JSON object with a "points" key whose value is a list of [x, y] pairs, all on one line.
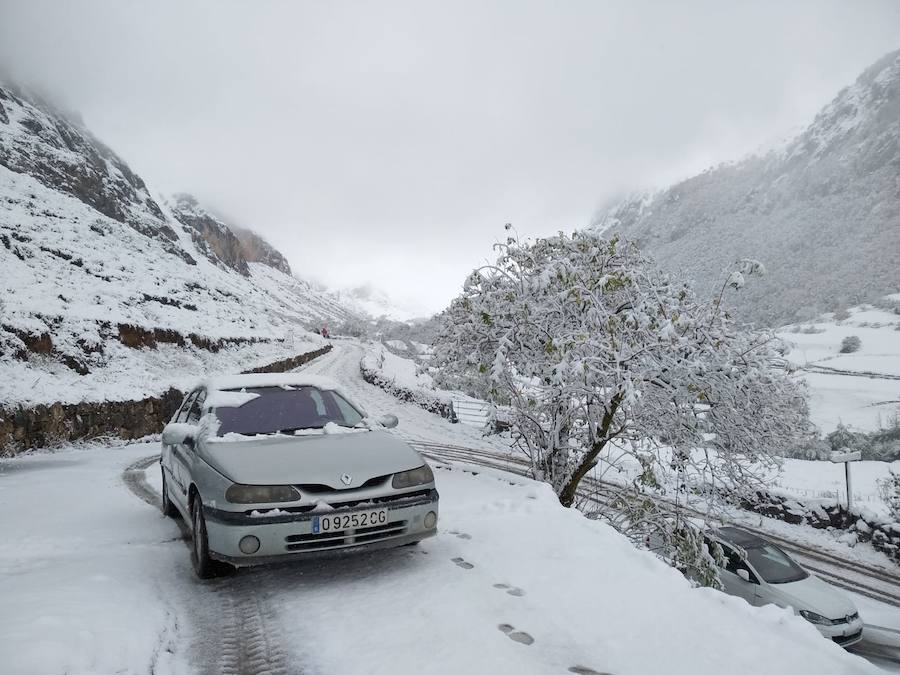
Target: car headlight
{"points": [[812, 617], [261, 494], [419, 476]]}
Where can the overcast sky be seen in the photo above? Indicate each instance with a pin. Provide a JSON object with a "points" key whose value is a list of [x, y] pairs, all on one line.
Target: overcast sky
{"points": [[388, 142]]}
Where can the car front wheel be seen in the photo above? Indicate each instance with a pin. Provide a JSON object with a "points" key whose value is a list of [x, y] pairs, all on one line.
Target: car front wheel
{"points": [[204, 566]]}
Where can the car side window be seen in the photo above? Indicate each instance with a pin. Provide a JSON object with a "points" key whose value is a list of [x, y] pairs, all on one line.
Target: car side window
{"points": [[185, 407], [348, 412], [734, 562], [316, 397], [196, 408]]}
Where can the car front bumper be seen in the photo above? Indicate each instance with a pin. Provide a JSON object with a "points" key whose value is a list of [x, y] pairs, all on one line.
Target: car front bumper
{"points": [[289, 535], [844, 634]]}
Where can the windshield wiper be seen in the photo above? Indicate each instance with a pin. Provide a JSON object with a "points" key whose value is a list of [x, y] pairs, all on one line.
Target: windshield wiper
{"points": [[291, 430]]}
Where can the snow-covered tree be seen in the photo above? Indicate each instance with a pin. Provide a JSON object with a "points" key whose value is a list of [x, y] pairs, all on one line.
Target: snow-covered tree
{"points": [[889, 490], [609, 364]]}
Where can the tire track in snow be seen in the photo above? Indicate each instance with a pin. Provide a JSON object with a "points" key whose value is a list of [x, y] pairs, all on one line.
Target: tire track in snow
{"points": [[237, 631]]}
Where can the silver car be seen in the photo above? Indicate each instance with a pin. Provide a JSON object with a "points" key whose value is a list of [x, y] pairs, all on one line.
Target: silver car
{"points": [[272, 467], [761, 573]]}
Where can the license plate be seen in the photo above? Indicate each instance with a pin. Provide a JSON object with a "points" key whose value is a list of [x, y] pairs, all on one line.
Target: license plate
{"points": [[348, 521]]}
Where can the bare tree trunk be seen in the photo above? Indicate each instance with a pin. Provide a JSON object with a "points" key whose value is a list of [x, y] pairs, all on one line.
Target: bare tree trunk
{"points": [[589, 461]]}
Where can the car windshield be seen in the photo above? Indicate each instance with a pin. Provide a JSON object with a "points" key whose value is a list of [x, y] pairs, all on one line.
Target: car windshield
{"points": [[286, 410], [773, 564]]}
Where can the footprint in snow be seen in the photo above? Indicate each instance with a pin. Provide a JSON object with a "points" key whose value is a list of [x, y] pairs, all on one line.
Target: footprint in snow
{"points": [[460, 535], [516, 635], [461, 562], [510, 590], [583, 670]]}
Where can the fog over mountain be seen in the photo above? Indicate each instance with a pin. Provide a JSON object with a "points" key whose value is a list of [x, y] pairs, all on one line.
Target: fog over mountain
{"points": [[822, 212]]}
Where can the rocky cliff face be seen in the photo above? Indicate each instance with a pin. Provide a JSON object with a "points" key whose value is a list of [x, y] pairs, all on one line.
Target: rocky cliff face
{"points": [[822, 212], [257, 249], [210, 235]]}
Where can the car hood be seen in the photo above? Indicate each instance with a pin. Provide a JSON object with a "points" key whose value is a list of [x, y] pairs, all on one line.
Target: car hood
{"points": [[814, 595], [281, 460]]}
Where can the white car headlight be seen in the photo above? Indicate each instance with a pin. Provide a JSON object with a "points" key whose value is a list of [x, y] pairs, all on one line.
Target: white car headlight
{"points": [[812, 617], [419, 476], [261, 494]]}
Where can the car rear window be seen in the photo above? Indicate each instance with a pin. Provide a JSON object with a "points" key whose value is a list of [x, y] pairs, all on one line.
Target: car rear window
{"points": [[286, 410]]}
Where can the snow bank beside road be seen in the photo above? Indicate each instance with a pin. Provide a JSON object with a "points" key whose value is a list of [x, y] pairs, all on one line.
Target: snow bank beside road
{"points": [[400, 378]]}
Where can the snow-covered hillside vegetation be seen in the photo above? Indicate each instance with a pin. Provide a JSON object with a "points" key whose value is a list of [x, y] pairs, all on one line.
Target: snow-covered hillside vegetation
{"points": [[110, 292], [821, 212]]}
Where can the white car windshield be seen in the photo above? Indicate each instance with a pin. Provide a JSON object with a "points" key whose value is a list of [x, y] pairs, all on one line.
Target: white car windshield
{"points": [[286, 410], [773, 564]]}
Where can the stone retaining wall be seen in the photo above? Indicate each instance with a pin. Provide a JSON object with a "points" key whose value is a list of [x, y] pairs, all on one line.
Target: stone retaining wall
{"points": [[821, 514], [45, 426]]}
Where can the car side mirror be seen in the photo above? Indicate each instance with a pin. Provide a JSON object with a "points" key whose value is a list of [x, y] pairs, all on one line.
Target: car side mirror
{"points": [[389, 421], [179, 433], [744, 574]]}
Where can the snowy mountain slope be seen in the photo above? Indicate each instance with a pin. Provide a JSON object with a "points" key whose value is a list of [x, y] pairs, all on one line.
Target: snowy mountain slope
{"points": [[110, 293], [821, 212], [41, 141]]}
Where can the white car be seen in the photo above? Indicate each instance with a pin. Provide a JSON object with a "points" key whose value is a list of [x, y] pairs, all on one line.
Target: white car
{"points": [[762, 574], [274, 467]]}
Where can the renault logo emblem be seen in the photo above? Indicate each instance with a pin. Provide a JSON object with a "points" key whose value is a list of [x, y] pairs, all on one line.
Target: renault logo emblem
{"points": [[346, 479]]}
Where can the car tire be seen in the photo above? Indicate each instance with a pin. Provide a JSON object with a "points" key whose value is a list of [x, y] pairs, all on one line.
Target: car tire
{"points": [[204, 566], [168, 508]]}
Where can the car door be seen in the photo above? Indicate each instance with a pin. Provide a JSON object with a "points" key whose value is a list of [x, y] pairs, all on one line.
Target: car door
{"points": [[732, 583], [167, 455], [183, 453]]}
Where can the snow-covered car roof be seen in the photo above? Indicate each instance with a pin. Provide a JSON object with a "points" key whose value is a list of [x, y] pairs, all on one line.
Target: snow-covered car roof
{"points": [[255, 380]]}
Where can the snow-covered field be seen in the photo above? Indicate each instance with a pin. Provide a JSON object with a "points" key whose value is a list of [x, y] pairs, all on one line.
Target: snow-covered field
{"points": [[94, 580], [842, 397]]}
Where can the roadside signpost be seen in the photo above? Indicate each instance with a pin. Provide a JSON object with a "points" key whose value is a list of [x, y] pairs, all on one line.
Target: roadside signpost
{"points": [[846, 457]]}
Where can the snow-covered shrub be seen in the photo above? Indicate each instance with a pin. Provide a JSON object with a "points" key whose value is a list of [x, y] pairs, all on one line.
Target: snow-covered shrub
{"points": [[595, 348], [811, 446], [841, 314], [850, 344], [401, 378], [882, 444], [889, 489]]}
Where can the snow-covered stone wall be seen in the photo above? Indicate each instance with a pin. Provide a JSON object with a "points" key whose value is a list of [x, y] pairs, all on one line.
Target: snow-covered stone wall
{"points": [[861, 524]]}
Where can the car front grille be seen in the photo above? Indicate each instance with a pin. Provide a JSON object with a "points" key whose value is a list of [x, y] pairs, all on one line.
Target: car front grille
{"points": [[846, 619], [844, 639], [392, 501], [345, 538]]}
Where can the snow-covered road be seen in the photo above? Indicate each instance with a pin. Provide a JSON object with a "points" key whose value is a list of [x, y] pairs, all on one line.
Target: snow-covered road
{"points": [[95, 580]]}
